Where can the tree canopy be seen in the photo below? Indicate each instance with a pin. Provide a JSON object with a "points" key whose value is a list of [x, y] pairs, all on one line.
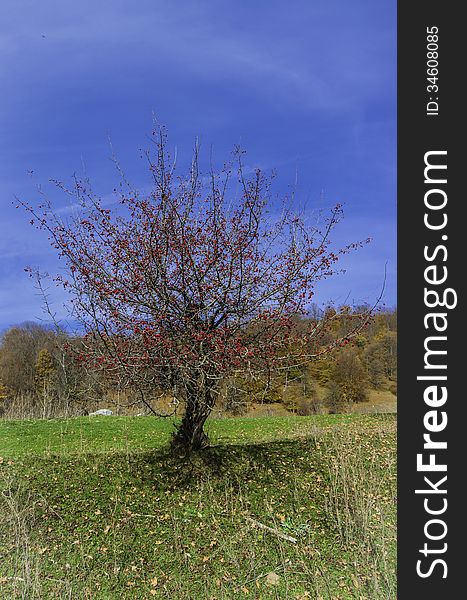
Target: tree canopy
{"points": [[201, 279]]}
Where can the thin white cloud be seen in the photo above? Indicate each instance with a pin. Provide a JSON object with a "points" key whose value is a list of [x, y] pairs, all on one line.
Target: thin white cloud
{"points": [[323, 70]]}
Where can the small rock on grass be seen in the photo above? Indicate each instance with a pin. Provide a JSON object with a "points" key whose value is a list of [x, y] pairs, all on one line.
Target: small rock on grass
{"points": [[272, 578]]}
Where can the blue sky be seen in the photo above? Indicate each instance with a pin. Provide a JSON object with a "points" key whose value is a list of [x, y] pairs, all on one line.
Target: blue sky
{"points": [[307, 87]]}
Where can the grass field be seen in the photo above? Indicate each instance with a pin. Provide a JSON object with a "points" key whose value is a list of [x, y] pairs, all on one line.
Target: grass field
{"points": [[97, 508]]}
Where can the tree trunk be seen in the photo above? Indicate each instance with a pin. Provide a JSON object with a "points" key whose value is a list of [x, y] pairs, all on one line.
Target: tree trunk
{"points": [[189, 435]]}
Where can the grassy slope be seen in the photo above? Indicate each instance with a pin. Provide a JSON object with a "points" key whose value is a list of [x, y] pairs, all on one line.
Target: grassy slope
{"points": [[96, 508], [133, 434]]}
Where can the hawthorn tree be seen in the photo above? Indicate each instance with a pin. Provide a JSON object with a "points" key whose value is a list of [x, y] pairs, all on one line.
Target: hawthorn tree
{"points": [[198, 281]]}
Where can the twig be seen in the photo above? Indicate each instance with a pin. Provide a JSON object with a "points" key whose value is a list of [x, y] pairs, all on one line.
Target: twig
{"points": [[289, 538]]}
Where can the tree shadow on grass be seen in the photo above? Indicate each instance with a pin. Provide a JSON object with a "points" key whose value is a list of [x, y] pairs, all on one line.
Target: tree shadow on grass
{"points": [[238, 462]]}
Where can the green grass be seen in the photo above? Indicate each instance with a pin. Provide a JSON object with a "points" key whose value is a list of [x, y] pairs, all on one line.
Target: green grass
{"points": [[97, 508], [119, 434]]}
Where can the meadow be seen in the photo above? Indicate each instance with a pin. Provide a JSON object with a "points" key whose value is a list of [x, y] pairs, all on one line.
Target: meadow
{"points": [[277, 507]]}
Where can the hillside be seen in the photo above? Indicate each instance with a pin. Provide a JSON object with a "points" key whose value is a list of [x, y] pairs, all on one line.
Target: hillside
{"points": [[97, 508]]}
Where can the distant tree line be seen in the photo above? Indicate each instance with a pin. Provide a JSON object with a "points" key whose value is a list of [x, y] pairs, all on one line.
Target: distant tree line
{"points": [[337, 379], [40, 376]]}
